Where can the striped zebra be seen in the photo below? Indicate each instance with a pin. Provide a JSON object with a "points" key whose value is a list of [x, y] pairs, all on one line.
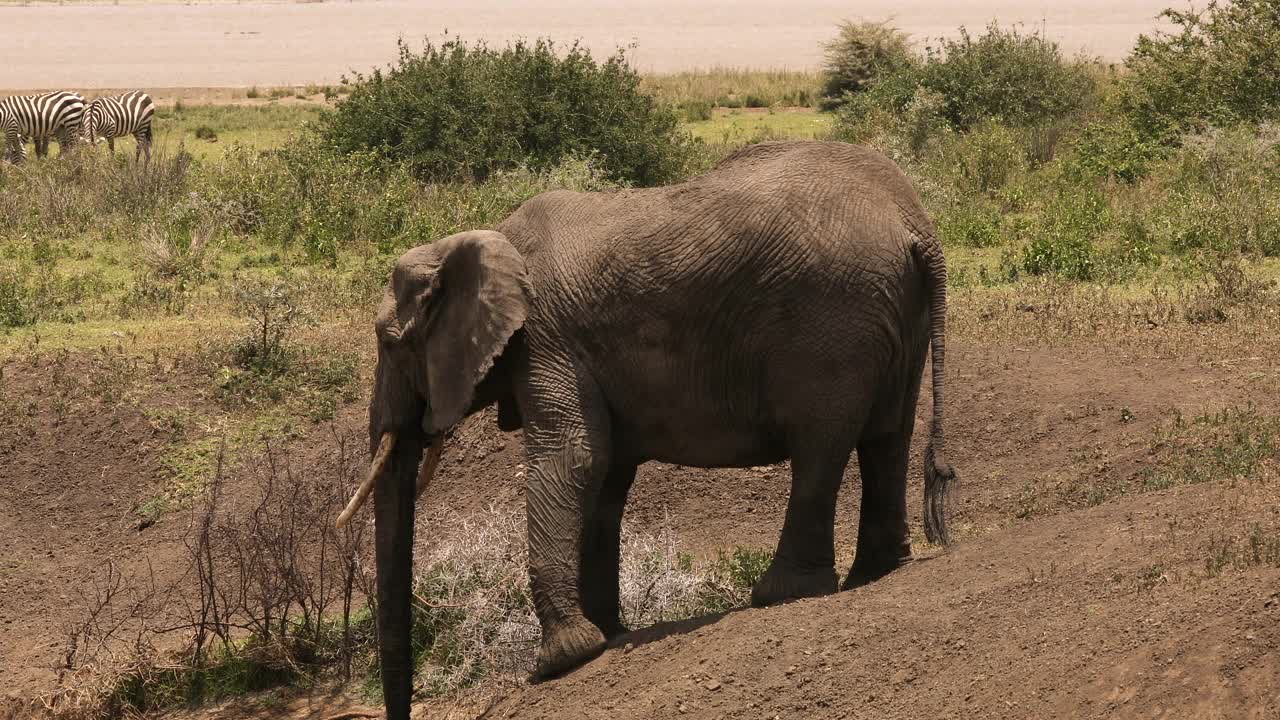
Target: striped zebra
{"points": [[120, 115], [14, 150], [50, 115]]}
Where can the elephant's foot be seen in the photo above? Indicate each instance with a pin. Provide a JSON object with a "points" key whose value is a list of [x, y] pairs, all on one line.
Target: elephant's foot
{"points": [[863, 573], [612, 630], [568, 645], [780, 584]]}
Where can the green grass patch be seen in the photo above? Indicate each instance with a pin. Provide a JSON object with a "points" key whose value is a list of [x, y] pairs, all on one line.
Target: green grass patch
{"points": [[1230, 444], [741, 127], [737, 87]]}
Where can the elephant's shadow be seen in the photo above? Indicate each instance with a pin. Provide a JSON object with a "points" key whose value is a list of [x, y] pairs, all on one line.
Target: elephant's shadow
{"points": [[663, 630]]}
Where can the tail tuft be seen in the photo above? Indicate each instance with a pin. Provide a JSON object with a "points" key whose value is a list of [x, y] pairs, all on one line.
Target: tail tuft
{"points": [[939, 477]]}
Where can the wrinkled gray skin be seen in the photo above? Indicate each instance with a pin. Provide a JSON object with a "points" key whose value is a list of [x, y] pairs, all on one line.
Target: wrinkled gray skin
{"points": [[778, 307]]}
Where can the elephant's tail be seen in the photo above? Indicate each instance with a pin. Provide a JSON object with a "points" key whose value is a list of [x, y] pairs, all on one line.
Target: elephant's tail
{"points": [[939, 475]]}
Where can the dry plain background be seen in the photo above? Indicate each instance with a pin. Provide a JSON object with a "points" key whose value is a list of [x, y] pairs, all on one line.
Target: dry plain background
{"points": [[148, 44]]}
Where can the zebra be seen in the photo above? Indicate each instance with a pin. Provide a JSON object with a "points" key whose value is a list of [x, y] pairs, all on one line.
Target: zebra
{"points": [[120, 115], [14, 150], [40, 117]]}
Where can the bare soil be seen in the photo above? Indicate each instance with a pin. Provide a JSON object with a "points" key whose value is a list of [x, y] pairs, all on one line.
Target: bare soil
{"points": [[1050, 605]]}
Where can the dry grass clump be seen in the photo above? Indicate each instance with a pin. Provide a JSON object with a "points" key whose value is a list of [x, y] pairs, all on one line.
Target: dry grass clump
{"points": [[474, 614]]}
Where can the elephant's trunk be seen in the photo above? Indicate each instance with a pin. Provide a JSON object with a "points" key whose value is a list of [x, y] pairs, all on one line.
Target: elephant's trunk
{"points": [[393, 499]]}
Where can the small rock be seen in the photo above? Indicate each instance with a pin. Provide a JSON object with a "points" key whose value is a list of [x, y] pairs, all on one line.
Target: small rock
{"points": [[683, 708], [712, 685]]}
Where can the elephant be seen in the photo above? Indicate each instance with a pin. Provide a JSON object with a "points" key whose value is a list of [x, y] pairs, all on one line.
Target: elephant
{"points": [[779, 306]]}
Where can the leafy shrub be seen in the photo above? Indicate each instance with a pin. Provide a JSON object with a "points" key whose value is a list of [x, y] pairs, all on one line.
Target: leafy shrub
{"points": [[1224, 192], [1221, 66], [922, 118], [970, 225], [859, 55], [1004, 74], [896, 125], [15, 302], [696, 110], [989, 157], [1064, 242], [1112, 148], [463, 112], [204, 132]]}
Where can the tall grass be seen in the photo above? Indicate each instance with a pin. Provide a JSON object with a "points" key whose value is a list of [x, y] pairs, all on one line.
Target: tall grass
{"points": [[736, 87]]}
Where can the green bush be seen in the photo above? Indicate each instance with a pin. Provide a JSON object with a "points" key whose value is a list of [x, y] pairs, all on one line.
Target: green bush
{"points": [[15, 302], [1111, 147], [1221, 66], [989, 157], [459, 112], [1224, 192], [1000, 78], [1004, 74], [859, 56], [696, 110], [970, 225], [1065, 236]]}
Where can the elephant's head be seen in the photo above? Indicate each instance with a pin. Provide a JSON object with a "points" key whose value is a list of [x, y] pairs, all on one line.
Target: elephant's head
{"points": [[447, 314]]}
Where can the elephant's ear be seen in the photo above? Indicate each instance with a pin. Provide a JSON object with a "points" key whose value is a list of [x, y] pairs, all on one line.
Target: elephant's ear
{"points": [[456, 302]]}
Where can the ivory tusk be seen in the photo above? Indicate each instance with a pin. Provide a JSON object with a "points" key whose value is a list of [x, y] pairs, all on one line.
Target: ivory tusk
{"points": [[429, 464], [385, 445]]}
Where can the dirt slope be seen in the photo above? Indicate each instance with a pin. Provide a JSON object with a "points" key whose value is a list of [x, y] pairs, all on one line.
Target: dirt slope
{"points": [[1045, 602], [1044, 620]]}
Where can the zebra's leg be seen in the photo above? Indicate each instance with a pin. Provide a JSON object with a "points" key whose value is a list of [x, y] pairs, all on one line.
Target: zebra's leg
{"points": [[42, 145], [111, 145]]}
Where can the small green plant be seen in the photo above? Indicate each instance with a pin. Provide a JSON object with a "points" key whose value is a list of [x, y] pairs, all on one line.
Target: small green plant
{"points": [[204, 132], [1027, 502], [1256, 546], [1152, 576], [273, 311], [253, 93]]}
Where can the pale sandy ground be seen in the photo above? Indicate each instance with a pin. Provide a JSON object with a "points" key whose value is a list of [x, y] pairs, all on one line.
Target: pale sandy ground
{"points": [[226, 44]]}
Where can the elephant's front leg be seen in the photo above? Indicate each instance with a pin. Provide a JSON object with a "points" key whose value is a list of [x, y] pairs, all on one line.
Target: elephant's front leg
{"points": [[567, 436], [601, 553]]}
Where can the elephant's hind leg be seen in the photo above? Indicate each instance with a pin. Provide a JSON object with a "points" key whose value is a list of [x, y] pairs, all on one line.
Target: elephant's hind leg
{"points": [[883, 540], [804, 564], [600, 553]]}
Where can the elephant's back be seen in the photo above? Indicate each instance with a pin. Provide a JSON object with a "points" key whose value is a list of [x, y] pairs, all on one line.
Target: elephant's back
{"points": [[794, 193], [780, 268]]}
